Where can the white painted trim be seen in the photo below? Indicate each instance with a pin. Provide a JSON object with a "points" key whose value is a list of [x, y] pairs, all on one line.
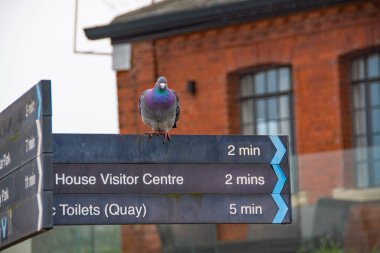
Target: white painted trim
{"points": [[362, 195]]}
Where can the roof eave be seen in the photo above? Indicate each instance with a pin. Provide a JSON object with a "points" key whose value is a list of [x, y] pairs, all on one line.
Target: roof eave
{"points": [[189, 21]]}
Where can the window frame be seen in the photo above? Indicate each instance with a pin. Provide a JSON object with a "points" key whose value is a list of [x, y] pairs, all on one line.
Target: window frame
{"points": [[293, 163], [369, 134], [277, 94]]}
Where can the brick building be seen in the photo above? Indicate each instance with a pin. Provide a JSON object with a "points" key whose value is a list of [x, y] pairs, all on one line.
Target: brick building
{"points": [[308, 69]]}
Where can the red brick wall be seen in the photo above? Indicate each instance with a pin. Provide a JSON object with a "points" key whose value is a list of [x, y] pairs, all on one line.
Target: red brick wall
{"points": [[140, 239], [131, 83], [362, 232], [311, 43]]}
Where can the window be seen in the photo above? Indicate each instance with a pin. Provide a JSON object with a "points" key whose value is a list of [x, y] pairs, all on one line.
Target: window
{"points": [[266, 106], [266, 102], [365, 83]]}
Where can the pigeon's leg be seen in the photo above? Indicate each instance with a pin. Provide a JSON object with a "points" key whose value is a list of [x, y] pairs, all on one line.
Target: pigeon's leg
{"points": [[150, 134], [166, 136]]}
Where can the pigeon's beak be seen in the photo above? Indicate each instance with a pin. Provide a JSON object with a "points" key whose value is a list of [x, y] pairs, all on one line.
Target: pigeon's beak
{"points": [[162, 86]]}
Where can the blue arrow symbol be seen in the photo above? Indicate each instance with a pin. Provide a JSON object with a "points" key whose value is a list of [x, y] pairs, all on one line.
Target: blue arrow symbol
{"points": [[280, 149], [282, 208], [39, 101], [281, 179], [4, 230]]}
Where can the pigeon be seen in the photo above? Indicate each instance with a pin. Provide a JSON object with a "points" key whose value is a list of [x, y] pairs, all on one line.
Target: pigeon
{"points": [[159, 108]]}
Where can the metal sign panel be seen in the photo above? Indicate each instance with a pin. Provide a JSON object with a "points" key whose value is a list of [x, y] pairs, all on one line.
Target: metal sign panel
{"points": [[91, 209], [30, 107], [26, 219], [170, 178], [25, 145], [26, 166], [26, 182], [108, 148]]}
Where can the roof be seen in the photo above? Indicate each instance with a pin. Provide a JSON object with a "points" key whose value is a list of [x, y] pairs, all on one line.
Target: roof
{"points": [[173, 17], [169, 6]]}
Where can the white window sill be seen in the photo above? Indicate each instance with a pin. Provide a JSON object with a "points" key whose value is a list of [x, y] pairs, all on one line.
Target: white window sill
{"points": [[365, 194]]}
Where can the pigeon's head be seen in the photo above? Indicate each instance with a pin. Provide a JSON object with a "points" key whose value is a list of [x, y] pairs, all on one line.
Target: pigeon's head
{"points": [[161, 83]]}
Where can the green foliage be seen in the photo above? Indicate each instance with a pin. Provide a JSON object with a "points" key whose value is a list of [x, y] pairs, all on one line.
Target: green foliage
{"points": [[324, 246], [328, 246], [81, 239]]}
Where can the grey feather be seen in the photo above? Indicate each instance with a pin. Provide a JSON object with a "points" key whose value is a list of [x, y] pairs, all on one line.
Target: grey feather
{"points": [[140, 99], [159, 120], [177, 111]]}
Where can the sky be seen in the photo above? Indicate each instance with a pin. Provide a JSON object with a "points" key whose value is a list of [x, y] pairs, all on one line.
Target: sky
{"points": [[36, 42]]}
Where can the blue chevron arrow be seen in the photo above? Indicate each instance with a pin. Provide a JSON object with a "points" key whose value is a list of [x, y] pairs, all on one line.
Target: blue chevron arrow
{"points": [[280, 149], [281, 179], [282, 208], [39, 101]]}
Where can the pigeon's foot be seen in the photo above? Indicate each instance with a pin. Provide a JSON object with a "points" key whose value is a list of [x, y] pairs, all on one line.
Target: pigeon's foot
{"points": [[158, 133], [150, 134], [166, 136]]}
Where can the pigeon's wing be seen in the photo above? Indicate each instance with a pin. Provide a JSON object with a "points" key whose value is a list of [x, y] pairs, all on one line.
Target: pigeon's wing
{"points": [[140, 99], [177, 110]]}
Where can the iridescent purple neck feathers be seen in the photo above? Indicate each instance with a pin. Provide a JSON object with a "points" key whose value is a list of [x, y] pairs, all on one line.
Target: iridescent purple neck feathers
{"points": [[159, 99], [159, 108]]}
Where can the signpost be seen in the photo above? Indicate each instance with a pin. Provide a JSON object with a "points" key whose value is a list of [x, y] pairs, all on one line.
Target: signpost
{"points": [[193, 179], [26, 166], [132, 179]]}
